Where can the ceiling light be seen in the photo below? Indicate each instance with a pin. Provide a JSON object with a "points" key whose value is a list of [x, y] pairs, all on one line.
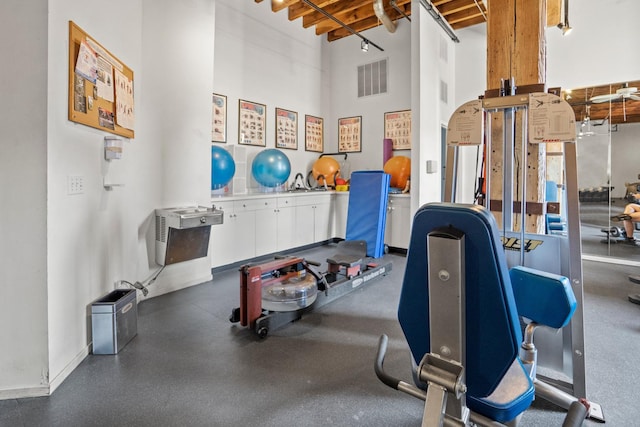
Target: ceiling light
{"points": [[364, 45]]}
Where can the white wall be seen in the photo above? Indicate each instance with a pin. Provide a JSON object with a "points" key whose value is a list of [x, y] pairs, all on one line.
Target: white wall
{"points": [[429, 69], [23, 198], [345, 56], [88, 233], [471, 81], [263, 57], [64, 251]]}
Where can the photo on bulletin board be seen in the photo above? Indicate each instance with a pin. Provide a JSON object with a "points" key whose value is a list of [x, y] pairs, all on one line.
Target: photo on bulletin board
{"points": [[219, 119], [350, 134], [286, 129], [252, 123], [313, 133], [397, 128]]}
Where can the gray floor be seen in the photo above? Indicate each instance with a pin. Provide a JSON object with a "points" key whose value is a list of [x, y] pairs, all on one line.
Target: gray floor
{"points": [[190, 366]]}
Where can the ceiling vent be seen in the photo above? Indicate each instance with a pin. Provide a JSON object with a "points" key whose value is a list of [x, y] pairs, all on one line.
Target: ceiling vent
{"points": [[372, 78]]}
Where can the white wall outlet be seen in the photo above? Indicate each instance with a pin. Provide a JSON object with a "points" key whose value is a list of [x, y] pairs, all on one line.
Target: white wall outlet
{"points": [[75, 184]]}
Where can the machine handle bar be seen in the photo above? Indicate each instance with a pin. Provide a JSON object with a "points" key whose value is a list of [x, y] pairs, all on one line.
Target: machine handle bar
{"points": [[378, 367]]}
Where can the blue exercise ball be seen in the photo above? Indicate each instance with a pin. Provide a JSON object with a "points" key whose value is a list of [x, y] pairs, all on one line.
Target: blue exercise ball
{"points": [[222, 167], [271, 168]]}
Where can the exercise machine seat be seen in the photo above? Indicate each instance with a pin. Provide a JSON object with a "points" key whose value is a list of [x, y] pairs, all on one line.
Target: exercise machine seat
{"points": [[498, 386], [544, 298], [350, 253]]}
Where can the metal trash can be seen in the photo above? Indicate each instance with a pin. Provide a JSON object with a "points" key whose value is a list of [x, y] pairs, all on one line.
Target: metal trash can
{"points": [[114, 321]]}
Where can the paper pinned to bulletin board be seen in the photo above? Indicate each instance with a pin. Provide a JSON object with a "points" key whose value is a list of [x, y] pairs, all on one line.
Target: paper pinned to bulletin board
{"points": [[100, 86]]}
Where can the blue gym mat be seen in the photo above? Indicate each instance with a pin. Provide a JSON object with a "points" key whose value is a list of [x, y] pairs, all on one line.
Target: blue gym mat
{"points": [[367, 212]]}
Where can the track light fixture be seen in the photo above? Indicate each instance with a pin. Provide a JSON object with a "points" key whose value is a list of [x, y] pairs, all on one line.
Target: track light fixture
{"points": [[564, 25], [343, 25], [364, 45]]}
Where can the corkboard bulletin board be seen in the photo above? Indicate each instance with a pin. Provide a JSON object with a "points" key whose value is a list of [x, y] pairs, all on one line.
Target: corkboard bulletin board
{"points": [[100, 86]]}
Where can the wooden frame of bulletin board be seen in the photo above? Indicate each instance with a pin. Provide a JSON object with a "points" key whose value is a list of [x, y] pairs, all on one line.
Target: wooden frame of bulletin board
{"points": [[100, 86]]}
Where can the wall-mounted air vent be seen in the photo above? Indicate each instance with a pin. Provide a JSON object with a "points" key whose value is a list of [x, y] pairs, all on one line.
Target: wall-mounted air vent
{"points": [[444, 50], [444, 92], [372, 78]]}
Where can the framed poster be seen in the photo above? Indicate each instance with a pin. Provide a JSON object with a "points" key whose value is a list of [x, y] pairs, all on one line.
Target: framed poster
{"points": [[251, 123], [350, 134], [313, 133], [397, 128], [286, 129], [219, 119]]}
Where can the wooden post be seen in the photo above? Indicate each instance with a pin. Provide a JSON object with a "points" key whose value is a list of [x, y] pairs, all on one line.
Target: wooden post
{"points": [[516, 49]]}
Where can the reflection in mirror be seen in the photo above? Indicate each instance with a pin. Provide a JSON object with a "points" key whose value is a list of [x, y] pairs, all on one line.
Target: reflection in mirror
{"points": [[608, 120]]}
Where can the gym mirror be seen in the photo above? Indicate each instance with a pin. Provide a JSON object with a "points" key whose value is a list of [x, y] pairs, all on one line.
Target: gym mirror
{"points": [[608, 120]]}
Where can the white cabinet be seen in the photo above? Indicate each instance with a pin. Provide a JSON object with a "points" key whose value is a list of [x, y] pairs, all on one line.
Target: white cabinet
{"points": [[323, 219], [260, 225], [340, 211], [398, 227], [286, 212], [266, 217], [274, 225], [313, 219], [235, 238], [304, 221]]}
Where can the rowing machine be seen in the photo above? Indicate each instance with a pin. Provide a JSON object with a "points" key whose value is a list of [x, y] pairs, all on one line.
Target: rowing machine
{"points": [[278, 292]]}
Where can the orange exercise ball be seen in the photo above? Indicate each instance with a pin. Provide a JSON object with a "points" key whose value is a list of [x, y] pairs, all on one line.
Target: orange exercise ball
{"points": [[399, 167], [327, 167]]}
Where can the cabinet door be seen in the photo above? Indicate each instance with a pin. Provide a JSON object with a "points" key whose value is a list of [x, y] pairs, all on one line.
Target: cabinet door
{"points": [[304, 225], [323, 221], [286, 238], [221, 235], [243, 241], [402, 226], [266, 231], [266, 227], [341, 207], [398, 227]]}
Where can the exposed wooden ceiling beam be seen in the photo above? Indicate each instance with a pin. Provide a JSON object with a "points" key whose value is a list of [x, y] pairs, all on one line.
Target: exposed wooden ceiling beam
{"points": [[365, 24], [348, 18], [333, 9], [455, 6], [468, 22], [277, 6], [464, 15], [300, 9]]}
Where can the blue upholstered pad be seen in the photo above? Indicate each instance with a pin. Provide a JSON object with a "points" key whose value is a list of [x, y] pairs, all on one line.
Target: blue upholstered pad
{"points": [[493, 333], [543, 297], [513, 395], [367, 211]]}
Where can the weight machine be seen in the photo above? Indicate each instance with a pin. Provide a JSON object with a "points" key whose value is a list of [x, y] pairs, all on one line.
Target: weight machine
{"points": [[500, 132]]}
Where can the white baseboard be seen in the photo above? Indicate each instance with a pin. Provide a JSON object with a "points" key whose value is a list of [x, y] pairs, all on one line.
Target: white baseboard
{"points": [[19, 393], [55, 382]]}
